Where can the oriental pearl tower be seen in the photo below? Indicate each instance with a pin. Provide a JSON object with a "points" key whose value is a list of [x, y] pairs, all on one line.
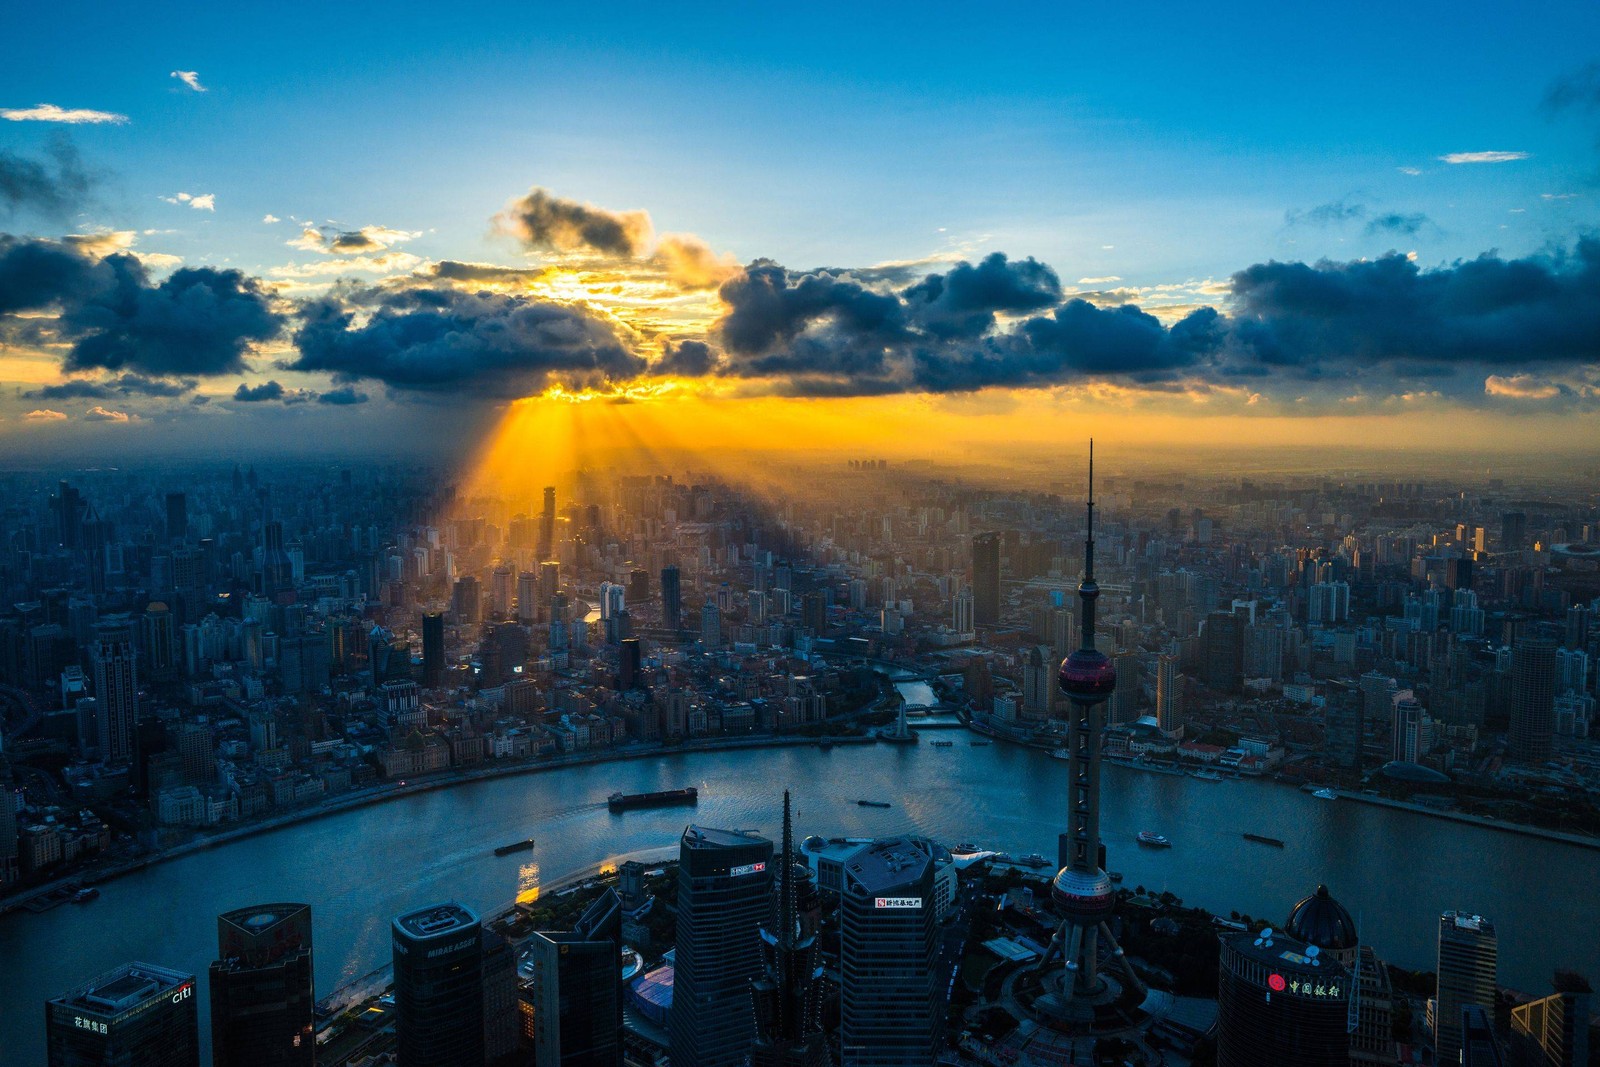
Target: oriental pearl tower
{"points": [[1081, 891]]}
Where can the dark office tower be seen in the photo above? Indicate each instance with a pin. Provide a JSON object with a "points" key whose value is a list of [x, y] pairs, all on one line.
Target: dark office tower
{"points": [[1069, 980], [638, 586], [116, 691], [1478, 1045], [277, 571], [1458, 574], [628, 663], [134, 1016], [466, 600], [500, 1013], [577, 989], [1468, 958], [438, 987], [68, 506], [177, 516], [892, 1003], [1513, 531], [1222, 651], [814, 613], [1281, 1001], [671, 598], [1533, 697], [263, 1008], [433, 649], [986, 579], [1553, 1031], [547, 524], [788, 998], [724, 898], [158, 641]]}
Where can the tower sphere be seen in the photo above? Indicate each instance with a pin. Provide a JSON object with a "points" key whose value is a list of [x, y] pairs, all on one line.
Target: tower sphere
{"points": [[1087, 676], [1083, 895]]}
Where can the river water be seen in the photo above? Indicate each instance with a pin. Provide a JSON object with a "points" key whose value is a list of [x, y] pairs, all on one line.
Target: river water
{"points": [[1394, 870]]}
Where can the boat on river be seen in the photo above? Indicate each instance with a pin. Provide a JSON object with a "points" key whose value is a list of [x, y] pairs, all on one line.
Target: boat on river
{"points": [[874, 803], [1326, 794], [664, 798], [1153, 839], [515, 846], [1258, 838]]}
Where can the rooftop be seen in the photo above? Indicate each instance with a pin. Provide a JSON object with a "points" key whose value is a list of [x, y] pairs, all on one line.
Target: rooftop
{"points": [[439, 920], [889, 864], [707, 837], [125, 988]]}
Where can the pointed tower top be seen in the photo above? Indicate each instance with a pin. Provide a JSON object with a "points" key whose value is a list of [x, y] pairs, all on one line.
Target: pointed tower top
{"points": [[787, 919]]}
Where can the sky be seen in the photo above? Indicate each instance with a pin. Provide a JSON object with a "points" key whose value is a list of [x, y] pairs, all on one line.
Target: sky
{"points": [[406, 227]]}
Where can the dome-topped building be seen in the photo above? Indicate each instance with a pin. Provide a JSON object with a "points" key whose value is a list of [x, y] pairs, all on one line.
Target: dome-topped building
{"points": [[1324, 922]]}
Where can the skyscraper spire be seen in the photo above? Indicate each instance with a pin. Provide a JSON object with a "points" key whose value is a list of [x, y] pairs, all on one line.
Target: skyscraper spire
{"points": [[786, 912], [787, 995]]}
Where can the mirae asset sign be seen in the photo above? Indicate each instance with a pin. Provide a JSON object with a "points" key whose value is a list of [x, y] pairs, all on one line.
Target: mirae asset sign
{"points": [[898, 902]]}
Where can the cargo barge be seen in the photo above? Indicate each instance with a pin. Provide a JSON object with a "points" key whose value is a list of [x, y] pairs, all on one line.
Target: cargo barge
{"points": [[665, 798]]}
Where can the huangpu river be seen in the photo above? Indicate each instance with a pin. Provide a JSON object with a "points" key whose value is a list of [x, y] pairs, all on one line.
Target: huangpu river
{"points": [[1395, 870]]}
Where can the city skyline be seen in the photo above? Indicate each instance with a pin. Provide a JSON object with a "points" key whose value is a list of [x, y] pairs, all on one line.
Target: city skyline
{"points": [[993, 248]]}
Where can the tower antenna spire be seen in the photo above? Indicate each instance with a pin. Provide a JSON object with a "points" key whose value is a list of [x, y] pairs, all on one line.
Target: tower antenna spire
{"points": [[787, 921]]}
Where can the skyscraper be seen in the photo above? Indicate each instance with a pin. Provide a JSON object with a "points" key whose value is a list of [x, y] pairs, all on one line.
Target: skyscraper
{"points": [[527, 597], [1408, 730], [1222, 651], [438, 987], [577, 989], [1553, 1031], [1169, 695], [433, 649], [1468, 954], [1513, 531], [1082, 890], [1533, 698], [466, 600], [986, 579], [671, 598], [547, 524], [135, 1015], [961, 611], [177, 516], [892, 1000], [263, 1007], [628, 660], [788, 998], [1281, 1001], [724, 899], [710, 625], [116, 691]]}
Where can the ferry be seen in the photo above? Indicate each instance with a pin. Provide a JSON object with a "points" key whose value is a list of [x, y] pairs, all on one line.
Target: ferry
{"points": [[966, 848], [1208, 776], [874, 803], [515, 846], [1033, 859], [1060, 753], [624, 801], [1153, 839], [1326, 794], [943, 744], [1273, 841], [83, 896]]}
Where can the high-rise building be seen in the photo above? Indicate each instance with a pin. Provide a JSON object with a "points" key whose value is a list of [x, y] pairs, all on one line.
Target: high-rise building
{"points": [[1169, 695], [547, 524], [500, 1008], [1082, 891], [136, 1015], [1330, 604], [177, 516], [1281, 1001], [961, 612], [438, 987], [1409, 733], [788, 997], [527, 597], [1478, 1045], [1124, 703], [466, 600], [433, 649], [1533, 698], [1222, 651], [986, 579], [671, 598], [577, 989], [1513, 531], [628, 662], [1553, 1031], [892, 996], [116, 691], [711, 625], [724, 899], [263, 1007], [1468, 955]]}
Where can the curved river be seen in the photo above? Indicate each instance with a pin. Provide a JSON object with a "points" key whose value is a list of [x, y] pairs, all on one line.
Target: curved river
{"points": [[1395, 870]]}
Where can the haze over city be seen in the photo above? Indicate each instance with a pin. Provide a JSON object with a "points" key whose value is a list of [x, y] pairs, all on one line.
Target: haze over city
{"points": [[760, 536]]}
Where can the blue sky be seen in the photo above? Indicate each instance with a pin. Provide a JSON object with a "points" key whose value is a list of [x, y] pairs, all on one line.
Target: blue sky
{"points": [[1147, 150]]}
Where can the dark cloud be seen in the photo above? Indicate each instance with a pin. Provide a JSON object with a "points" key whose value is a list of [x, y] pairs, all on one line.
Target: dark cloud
{"points": [[197, 321], [847, 325], [1577, 91], [963, 302], [55, 187], [343, 397], [540, 220], [1404, 225], [454, 271], [1332, 213], [687, 359], [127, 385], [438, 340], [269, 392]]}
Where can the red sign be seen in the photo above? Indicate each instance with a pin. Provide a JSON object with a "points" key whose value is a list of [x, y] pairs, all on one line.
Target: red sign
{"points": [[1276, 982]]}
